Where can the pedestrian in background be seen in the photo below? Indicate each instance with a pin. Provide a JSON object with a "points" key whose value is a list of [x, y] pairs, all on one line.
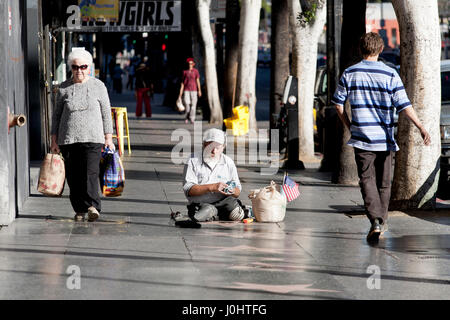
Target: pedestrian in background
{"points": [[375, 92], [144, 89], [190, 90], [81, 127], [117, 78], [131, 75]]}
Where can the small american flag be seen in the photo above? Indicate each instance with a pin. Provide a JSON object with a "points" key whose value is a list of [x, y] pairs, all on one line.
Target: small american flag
{"points": [[290, 188]]}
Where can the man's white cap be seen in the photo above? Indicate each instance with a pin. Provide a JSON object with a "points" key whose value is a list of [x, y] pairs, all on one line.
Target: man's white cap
{"points": [[215, 135]]}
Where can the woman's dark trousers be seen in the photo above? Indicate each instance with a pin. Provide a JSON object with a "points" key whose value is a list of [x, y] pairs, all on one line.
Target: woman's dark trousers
{"points": [[82, 161]]}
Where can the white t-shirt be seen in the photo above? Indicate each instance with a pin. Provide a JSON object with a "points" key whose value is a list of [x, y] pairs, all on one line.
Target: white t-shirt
{"points": [[198, 172]]}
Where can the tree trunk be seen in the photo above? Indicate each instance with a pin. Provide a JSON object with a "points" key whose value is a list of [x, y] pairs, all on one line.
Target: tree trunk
{"points": [[353, 28], [231, 56], [416, 171], [304, 61], [212, 89], [220, 62], [248, 57], [280, 47], [331, 143]]}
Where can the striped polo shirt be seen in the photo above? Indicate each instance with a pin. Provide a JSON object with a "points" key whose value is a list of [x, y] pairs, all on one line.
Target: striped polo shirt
{"points": [[375, 92]]}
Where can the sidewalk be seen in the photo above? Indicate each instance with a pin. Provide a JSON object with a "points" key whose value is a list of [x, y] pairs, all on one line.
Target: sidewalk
{"points": [[318, 252]]}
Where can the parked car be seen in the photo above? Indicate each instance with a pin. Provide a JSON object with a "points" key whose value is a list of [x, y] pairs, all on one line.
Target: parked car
{"points": [[444, 185], [264, 56], [320, 103], [391, 56]]}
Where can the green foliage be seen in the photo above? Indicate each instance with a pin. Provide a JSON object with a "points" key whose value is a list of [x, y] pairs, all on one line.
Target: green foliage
{"points": [[309, 9], [266, 6]]}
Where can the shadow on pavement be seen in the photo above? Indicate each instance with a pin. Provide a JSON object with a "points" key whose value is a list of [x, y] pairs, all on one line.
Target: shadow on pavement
{"points": [[424, 246]]}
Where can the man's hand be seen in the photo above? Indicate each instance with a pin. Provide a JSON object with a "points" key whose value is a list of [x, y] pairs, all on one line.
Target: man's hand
{"points": [[425, 136], [218, 187], [198, 190], [411, 115], [235, 192], [343, 116]]}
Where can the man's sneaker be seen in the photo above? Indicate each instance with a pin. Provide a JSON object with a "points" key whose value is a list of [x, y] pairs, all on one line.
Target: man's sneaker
{"points": [[374, 232], [79, 216], [237, 214], [93, 214], [176, 216]]}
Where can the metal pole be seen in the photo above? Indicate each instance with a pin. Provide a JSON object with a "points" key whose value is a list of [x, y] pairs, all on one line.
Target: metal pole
{"points": [[334, 24]]}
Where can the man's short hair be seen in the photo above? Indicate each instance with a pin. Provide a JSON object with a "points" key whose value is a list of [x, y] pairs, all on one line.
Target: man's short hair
{"points": [[371, 44]]}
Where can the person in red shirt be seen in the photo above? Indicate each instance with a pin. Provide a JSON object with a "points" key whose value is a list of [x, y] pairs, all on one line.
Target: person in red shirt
{"points": [[191, 90], [144, 89]]}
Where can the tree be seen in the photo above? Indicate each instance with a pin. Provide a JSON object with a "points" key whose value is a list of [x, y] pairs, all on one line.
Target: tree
{"points": [[280, 47], [231, 55], [416, 171], [353, 28], [307, 19], [248, 57], [212, 89]]}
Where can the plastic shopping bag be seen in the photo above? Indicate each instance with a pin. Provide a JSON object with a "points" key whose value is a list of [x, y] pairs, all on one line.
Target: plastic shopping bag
{"points": [[112, 173], [52, 175], [268, 204], [180, 105]]}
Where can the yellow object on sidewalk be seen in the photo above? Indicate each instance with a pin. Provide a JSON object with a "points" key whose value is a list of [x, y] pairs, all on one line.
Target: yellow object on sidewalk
{"points": [[315, 117], [119, 115], [238, 123], [241, 112]]}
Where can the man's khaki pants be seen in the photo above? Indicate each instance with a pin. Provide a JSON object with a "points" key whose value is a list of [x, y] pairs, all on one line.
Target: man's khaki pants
{"points": [[190, 103]]}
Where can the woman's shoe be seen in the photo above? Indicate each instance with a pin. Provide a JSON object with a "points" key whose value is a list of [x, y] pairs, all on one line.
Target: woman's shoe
{"points": [[79, 216], [93, 214]]}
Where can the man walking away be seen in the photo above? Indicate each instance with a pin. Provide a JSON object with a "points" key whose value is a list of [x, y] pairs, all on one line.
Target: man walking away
{"points": [[375, 92]]}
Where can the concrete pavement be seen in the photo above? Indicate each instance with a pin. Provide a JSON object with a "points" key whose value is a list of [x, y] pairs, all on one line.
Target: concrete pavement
{"points": [[132, 252]]}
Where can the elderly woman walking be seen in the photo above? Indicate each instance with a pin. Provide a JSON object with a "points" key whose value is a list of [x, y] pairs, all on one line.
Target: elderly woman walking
{"points": [[81, 126]]}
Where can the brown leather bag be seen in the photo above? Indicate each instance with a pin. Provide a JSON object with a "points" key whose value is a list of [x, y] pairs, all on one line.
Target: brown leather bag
{"points": [[52, 175]]}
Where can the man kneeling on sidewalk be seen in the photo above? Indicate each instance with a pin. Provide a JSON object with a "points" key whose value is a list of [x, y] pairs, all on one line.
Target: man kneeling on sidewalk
{"points": [[211, 183]]}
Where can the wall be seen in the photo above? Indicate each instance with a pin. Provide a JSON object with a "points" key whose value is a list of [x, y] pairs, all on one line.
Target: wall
{"points": [[14, 155]]}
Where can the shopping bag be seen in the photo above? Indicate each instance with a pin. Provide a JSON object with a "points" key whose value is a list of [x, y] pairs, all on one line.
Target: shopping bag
{"points": [[112, 173], [268, 204], [52, 175], [180, 105]]}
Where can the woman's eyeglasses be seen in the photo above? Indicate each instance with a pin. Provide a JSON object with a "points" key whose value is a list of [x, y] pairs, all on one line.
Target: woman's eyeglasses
{"points": [[82, 67]]}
